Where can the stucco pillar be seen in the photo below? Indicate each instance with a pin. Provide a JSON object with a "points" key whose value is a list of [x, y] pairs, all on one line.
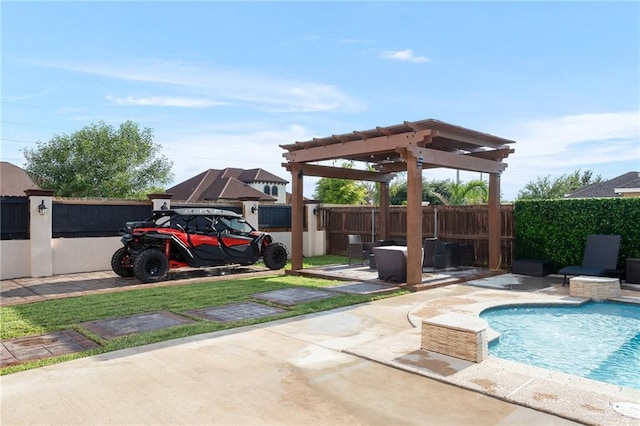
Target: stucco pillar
{"points": [[316, 239], [160, 201], [40, 233], [250, 211]]}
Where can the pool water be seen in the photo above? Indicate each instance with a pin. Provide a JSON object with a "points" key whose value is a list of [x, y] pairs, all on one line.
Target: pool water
{"points": [[597, 340]]}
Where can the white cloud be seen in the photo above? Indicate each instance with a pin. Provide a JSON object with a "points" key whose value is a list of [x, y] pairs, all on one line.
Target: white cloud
{"points": [[558, 146], [195, 151], [165, 101], [235, 86], [406, 55], [578, 139]]}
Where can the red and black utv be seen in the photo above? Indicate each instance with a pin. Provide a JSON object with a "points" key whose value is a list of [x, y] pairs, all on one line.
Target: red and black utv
{"points": [[195, 237]]}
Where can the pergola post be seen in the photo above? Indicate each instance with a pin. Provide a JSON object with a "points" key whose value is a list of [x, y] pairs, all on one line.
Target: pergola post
{"points": [[495, 222], [384, 217], [297, 211], [414, 220]]}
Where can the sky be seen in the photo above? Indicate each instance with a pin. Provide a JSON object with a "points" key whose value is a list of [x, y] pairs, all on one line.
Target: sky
{"points": [[224, 84]]}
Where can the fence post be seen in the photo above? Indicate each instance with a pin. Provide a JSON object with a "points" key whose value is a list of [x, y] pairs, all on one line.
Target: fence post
{"points": [[160, 201], [40, 212], [250, 212]]}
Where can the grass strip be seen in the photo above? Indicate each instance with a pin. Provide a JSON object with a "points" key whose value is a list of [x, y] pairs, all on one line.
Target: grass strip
{"points": [[60, 314]]}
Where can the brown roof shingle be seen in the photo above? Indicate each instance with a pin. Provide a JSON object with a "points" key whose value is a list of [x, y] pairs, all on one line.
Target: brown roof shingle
{"points": [[14, 180], [227, 184], [607, 188]]}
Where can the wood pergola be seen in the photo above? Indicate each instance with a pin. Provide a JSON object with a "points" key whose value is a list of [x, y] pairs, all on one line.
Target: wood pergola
{"points": [[410, 147]]}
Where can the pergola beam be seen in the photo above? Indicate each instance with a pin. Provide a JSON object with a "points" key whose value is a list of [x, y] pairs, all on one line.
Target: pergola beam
{"points": [[456, 161], [341, 173], [477, 141], [373, 145]]}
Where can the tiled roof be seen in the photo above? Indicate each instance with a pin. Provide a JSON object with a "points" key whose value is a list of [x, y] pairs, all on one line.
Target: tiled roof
{"points": [[14, 180], [228, 184], [607, 188]]}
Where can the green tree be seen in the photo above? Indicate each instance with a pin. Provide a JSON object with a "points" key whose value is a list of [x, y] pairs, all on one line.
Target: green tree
{"points": [[100, 161], [547, 188], [436, 191], [341, 191], [373, 189], [473, 192], [433, 191]]}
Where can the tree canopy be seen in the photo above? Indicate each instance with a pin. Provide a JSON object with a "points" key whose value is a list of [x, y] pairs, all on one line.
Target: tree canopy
{"points": [[100, 161], [341, 191], [473, 192], [547, 188], [442, 192]]}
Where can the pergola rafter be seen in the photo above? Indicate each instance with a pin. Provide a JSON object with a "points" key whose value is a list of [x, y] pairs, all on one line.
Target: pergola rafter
{"points": [[408, 147]]}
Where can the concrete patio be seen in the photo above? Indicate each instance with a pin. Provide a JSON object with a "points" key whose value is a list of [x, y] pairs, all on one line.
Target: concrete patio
{"points": [[331, 367]]}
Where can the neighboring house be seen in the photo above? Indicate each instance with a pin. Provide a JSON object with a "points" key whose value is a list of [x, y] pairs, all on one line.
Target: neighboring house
{"points": [[14, 180], [232, 184], [626, 185]]}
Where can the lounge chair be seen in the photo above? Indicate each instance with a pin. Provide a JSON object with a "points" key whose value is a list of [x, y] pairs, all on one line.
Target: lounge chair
{"points": [[359, 250], [600, 257]]}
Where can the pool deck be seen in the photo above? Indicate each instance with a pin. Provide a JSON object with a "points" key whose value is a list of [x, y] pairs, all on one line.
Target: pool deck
{"points": [[572, 397]]}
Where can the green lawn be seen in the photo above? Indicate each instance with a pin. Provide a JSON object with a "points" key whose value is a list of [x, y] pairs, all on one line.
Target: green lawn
{"points": [[69, 313]]}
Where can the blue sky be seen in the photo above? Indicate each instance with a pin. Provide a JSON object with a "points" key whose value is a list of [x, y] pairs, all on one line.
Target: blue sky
{"points": [[223, 84]]}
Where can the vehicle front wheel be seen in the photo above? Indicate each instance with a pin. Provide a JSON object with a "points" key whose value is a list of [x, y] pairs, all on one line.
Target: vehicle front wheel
{"points": [[121, 262], [275, 256], [151, 266]]}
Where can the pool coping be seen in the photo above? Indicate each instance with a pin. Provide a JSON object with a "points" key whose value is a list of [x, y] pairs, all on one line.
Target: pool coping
{"points": [[576, 398]]}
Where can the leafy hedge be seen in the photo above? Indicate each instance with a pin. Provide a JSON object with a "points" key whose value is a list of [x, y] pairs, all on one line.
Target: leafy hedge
{"points": [[558, 229]]}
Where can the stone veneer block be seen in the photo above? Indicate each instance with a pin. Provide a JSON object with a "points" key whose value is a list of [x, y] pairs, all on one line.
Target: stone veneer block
{"points": [[596, 288], [457, 335]]}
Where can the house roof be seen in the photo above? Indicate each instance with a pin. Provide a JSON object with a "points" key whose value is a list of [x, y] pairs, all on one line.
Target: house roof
{"points": [[227, 184], [14, 180], [608, 188]]}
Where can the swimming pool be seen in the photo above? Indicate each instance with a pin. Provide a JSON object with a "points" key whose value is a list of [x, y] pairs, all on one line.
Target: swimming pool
{"points": [[596, 340]]}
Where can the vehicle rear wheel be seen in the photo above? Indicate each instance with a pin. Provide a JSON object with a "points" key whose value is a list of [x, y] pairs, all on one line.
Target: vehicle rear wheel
{"points": [[151, 266], [275, 256], [121, 262]]}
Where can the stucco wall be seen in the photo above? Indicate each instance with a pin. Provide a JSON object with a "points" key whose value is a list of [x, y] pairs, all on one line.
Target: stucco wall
{"points": [[76, 255], [15, 259], [72, 255], [282, 190]]}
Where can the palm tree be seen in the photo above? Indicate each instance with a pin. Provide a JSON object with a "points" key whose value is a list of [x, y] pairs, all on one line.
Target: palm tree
{"points": [[473, 192]]}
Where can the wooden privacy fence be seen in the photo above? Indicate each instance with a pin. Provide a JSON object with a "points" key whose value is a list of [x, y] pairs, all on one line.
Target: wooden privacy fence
{"points": [[461, 224]]}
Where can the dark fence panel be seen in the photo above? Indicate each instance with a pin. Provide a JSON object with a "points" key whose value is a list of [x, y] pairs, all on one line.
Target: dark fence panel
{"points": [[14, 218], [274, 216], [94, 220]]}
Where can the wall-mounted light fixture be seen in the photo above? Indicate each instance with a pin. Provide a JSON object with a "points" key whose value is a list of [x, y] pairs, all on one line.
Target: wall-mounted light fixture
{"points": [[254, 209], [164, 206], [419, 162], [42, 208], [316, 211]]}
